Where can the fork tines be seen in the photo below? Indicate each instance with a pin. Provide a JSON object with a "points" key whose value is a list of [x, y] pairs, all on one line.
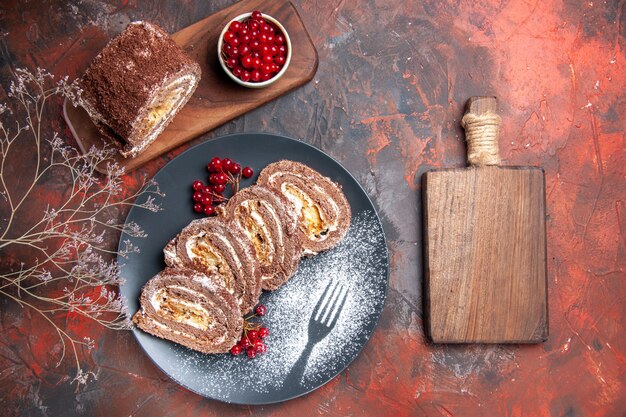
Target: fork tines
{"points": [[330, 304]]}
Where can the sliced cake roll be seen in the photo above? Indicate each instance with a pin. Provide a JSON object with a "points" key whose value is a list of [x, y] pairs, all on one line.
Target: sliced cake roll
{"points": [[322, 208], [190, 308], [269, 221], [136, 85], [214, 247]]}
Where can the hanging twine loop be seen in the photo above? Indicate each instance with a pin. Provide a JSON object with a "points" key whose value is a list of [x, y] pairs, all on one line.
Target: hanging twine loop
{"points": [[481, 133]]}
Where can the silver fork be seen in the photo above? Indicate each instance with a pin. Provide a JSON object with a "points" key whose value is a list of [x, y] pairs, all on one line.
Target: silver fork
{"points": [[322, 321]]}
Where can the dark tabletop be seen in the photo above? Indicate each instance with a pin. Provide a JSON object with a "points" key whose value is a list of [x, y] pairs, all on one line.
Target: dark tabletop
{"points": [[386, 102]]}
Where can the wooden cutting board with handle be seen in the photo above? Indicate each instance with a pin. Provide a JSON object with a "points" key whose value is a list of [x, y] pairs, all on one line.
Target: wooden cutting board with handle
{"points": [[485, 243]]}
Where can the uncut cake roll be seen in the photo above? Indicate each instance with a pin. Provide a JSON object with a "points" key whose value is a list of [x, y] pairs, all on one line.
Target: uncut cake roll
{"points": [[190, 308], [133, 89], [213, 246], [269, 221], [323, 210]]}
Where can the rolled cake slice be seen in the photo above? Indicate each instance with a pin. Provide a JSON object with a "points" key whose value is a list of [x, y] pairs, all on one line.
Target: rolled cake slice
{"points": [[136, 85], [213, 246], [323, 210], [190, 308], [269, 221]]}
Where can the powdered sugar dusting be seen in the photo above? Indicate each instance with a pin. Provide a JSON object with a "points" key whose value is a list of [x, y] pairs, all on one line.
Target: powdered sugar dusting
{"points": [[359, 263]]}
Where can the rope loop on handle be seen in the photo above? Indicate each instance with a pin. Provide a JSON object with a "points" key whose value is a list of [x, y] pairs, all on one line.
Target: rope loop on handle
{"points": [[481, 133]]}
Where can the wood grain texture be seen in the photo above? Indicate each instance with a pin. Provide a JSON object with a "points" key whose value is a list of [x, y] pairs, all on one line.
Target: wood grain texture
{"points": [[217, 99], [485, 255]]}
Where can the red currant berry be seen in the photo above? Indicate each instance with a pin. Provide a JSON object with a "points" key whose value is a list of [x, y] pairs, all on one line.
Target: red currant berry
{"points": [[207, 190], [238, 71], [219, 188], [244, 343], [226, 164], [235, 169], [263, 37], [209, 210], [251, 352], [266, 69], [255, 45], [274, 68], [273, 50], [198, 208], [235, 350], [257, 63], [257, 15], [246, 61], [279, 39], [231, 62], [280, 60], [245, 76], [264, 332], [244, 40], [267, 59], [244, 50], [197, 185], [255, 75], [231, 38], [215, 165], [266, 28], [270, 39], [220, 178], [206, 200], [265, 50], [235, 26], [266, 77], [197, 196], [253, 25], [253, 334], [282, 50], [260, 348], [260, 310]]}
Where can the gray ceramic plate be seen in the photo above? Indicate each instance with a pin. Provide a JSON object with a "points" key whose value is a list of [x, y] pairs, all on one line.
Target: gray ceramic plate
{"points": [[292, 366]]}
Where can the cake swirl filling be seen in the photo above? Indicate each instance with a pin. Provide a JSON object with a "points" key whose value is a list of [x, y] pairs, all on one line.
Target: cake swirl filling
{"points": [[169, 305]]}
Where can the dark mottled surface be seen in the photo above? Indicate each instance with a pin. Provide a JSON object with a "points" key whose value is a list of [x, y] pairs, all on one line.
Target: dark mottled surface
{"points": [[386, 102]]}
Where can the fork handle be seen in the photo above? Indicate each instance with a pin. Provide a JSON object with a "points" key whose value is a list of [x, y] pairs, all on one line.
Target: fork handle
{"points": [[297, 371]]}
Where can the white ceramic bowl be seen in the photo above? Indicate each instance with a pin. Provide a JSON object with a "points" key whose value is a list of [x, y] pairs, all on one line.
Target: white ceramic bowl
{"points": [[251, 84]]}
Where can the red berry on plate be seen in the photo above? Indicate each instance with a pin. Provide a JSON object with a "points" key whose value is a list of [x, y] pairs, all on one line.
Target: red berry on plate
{"points": [[264, 332], [255, 75], [255, 45], [215, 165], [279, 39], [274, 68], [244, 40], [263, 38], [282, 50], [197, 196], [206, 200], [198, 208], [235, 350], [257, 15], [260, 348], [266, 28], [267, 59], [266, 69], [226, 164], [220, 178], [231, 62], [273, 50], [209, 210], [270, 39], [244, 343], [253, 334], [245, 76], [237, 72], [197, 185], [256, 62], [235, 169], [207, 190], [219, 188], [260, 310], [251, 352]]}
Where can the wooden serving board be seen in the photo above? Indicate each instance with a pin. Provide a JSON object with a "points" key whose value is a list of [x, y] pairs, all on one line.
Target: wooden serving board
{"points": [[217, 99], [485, 251]]}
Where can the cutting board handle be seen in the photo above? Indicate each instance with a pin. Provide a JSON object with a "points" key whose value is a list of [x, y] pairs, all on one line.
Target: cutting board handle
{"points": [[482, 126]]}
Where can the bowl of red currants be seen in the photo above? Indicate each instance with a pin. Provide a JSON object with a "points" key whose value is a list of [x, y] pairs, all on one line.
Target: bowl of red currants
{"points": [[254, 49]]}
